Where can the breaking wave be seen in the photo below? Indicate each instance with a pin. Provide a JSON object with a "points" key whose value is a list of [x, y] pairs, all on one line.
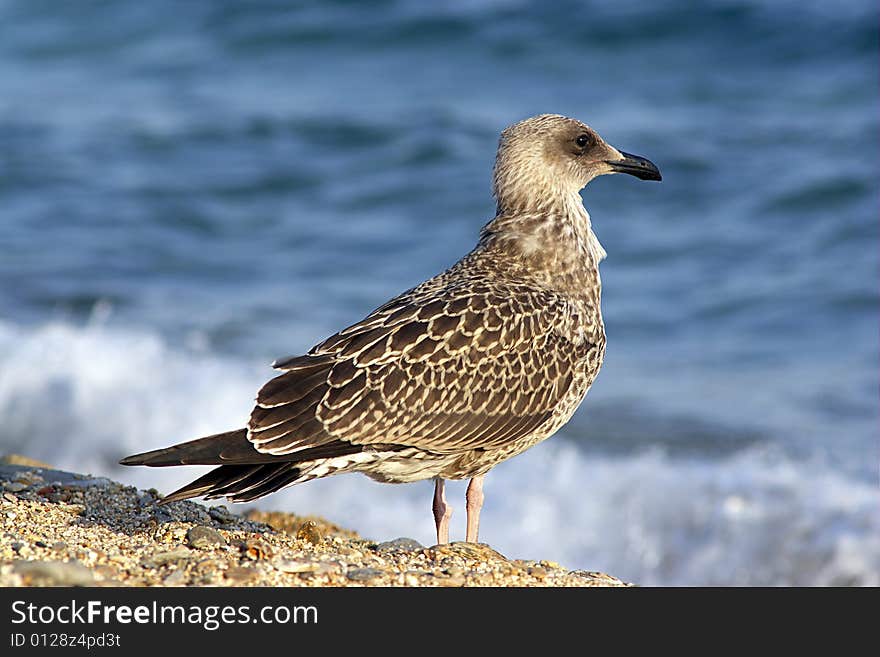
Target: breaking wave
{"points": [[82, 396]]}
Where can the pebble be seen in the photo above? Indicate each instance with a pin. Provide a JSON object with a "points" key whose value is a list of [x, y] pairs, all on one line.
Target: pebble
{"points": [[598, 579], [460, 549], [129, 542], [326, 567], [15, 486], [54, 573], [363, 574], [307, 566], [256, 549], [451, 581], [400, 545], [177, 578], [296, 565], [538, 572], [162, 514], [239, 574], [106, 571], [204, 538], [309, 532], [221, 514], [162, 558]]}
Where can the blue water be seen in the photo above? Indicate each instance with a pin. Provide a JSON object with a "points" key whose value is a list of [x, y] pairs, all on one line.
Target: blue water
{"points": [[190, 190]]}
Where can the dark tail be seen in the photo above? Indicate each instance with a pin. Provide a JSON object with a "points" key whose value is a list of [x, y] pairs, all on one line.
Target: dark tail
{"points": [[244, 473], [241, 483], [219, 449]]}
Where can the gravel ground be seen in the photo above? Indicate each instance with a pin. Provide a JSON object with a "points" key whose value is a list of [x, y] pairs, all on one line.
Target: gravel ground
{"points": [[63, 529]]}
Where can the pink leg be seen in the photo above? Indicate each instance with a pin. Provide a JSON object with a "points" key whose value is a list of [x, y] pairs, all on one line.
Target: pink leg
{"points": [[474, 504], [442, 511]]}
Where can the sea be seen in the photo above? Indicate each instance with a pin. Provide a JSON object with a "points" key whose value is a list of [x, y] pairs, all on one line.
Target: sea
{"points": [[189, 190]]}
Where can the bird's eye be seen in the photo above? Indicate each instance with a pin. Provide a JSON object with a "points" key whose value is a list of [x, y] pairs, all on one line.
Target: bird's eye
{"points": [[582, 140]]}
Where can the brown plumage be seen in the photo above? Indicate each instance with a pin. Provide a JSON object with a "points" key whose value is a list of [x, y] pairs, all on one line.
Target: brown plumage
{"points": [[457, 374]]}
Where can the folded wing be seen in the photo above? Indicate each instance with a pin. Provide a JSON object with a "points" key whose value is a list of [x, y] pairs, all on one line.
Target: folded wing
{"points": [[452, 372]]}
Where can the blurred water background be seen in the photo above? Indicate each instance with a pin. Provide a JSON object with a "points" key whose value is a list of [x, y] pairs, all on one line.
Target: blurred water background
{"points": [[189, 190]]}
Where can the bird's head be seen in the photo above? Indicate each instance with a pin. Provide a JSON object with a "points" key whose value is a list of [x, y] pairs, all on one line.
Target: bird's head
{"points": [[548, 157]]}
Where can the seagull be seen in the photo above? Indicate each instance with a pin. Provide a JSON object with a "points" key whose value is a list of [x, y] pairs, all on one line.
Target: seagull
{"points": [[456, 375]]}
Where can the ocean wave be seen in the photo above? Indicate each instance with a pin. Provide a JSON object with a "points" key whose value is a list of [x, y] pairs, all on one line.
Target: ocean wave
{"points": [[82, 396]]}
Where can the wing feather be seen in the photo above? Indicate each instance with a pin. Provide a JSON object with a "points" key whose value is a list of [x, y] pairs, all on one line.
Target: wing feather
{"points": [[448, 371]]}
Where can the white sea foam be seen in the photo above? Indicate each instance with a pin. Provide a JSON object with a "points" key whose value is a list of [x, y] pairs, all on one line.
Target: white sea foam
{"points": [[81, 397]]}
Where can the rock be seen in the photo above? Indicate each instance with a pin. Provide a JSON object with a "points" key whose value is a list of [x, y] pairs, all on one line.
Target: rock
{"points": [[296, 565], [31, 475], [221, 514], [309, 532], [239, 574], [15, 486], [538, 572], [598, 579], [255, 549], [291, 523], [473, 551], [399, 545], [54, 573], [177, 578], [363, 574], [162, 514], [97, 532], [306, 566], [204, 538], [107, 574], [412, 579], [327, 567], [163, 558]]}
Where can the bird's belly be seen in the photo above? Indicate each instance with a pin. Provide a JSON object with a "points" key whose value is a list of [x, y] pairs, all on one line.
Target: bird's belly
{"points": [[407, 465]]}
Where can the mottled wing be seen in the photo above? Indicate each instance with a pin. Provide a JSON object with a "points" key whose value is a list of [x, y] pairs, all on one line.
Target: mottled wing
{"points": [[461, 370]]}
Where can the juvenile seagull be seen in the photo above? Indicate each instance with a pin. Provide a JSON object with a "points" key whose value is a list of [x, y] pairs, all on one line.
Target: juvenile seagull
{"points": [[457, 374]]}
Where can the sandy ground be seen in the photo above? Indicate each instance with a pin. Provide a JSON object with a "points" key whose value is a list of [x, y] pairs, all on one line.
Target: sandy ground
{"points": [[64, 529]]}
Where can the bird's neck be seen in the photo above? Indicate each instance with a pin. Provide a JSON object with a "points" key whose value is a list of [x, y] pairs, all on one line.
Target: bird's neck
{"points": [[554, 242]]}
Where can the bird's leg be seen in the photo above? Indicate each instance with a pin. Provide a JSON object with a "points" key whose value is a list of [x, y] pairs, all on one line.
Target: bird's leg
{"points": [[474, 504], [442, 511]]}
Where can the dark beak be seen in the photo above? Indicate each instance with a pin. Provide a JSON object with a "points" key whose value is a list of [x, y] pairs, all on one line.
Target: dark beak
{"points": [[635, 166]]}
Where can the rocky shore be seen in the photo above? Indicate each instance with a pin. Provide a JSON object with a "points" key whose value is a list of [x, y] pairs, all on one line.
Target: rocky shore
{"points": [[65, 529]]}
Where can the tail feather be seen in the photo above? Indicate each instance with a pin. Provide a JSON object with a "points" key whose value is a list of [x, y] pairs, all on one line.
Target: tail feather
{"points": [[232, 448], [220, 448], [244, 473], [218, 478], [241, 483], [259, 475], [203, 484], [292, 476]]}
